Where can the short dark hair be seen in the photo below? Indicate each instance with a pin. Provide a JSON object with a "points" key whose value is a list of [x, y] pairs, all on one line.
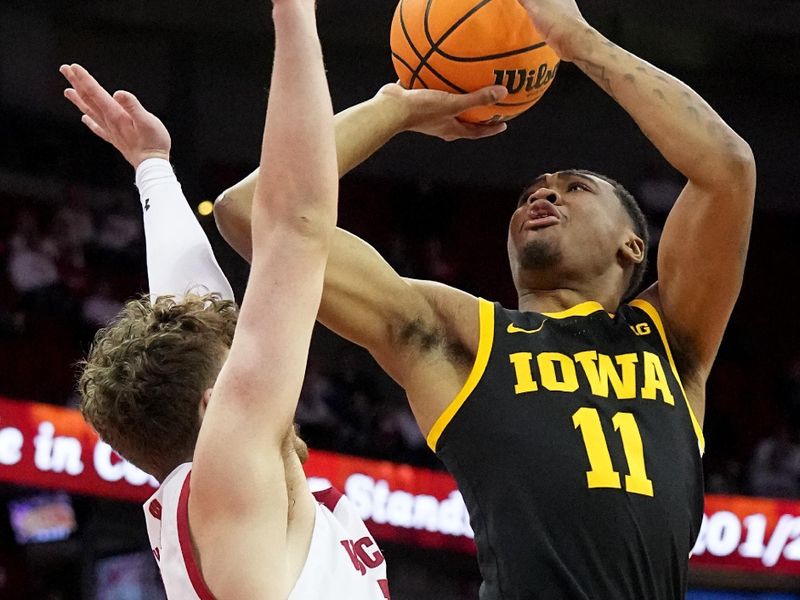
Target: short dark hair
{"points": [[146, 372], [638, 220]]}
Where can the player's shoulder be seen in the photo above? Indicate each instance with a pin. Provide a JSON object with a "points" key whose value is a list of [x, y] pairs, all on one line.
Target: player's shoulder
{"points": [[174, 483], [447, 301], [166, 501]]}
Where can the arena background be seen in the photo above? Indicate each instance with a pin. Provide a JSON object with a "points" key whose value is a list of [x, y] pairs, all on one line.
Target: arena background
{"points": [[71, 250]]}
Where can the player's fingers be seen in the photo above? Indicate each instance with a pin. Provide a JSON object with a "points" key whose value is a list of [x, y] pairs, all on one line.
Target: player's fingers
{"points": [[129, 102], [474, 131], [481, 97], [74, 97], [66, 71], [95, 95], [95, 128], [73, 94]]}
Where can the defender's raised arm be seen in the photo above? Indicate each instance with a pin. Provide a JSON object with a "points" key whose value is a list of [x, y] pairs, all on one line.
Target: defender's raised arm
{"points": [[238, 507]]}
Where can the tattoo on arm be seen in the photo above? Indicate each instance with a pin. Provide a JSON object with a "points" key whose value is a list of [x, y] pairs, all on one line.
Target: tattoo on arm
{"points": [[598, 74]]}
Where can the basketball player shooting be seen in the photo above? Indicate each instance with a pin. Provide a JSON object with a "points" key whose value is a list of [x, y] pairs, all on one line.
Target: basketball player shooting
{"points": [[169, 386], [573, 424]]}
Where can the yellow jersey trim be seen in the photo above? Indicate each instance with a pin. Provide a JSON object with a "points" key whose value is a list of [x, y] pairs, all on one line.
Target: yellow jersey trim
{"points": [[579, 310], [656, 318], [485, 341]]}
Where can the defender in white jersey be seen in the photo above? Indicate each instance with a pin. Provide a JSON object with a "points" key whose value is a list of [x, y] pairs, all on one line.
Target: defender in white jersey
{"points": [[171, 389], [343, 560]]}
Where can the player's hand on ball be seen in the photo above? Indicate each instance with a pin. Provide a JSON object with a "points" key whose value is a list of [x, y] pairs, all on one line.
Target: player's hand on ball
{"points": [[119, 119], [435, 113], [557, 21]]}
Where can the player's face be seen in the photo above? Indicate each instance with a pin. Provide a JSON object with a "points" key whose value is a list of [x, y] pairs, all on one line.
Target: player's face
{"points": [[566, 225]]}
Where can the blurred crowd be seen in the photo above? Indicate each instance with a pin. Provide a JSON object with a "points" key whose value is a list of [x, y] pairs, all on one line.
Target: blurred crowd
{"points": [[65, 272]]}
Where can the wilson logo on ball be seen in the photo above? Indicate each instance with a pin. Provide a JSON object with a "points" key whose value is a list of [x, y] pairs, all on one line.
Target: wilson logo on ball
{"points": [[516, 79]]}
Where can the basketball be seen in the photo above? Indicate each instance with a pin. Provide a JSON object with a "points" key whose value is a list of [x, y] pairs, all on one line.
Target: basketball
{"points": [[460, 46]]}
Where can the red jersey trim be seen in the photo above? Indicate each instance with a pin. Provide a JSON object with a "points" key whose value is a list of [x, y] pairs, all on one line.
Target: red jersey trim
{"points": [[185, 543], [328, 498]]}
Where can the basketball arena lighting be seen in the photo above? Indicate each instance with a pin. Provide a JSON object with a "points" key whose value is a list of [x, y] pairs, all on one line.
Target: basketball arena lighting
{"points": [[205, 208]]}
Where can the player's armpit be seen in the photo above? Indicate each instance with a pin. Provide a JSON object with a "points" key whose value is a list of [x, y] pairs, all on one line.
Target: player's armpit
{"points": [[237, 507], [701, 260], [367, 302]]}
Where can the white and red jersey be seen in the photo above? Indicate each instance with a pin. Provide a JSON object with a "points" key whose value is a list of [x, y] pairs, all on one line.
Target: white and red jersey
{"points": [[343, 562]]}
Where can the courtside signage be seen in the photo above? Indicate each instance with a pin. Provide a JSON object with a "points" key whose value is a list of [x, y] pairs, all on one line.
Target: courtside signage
{"points": [[752, 534], [398, 502], [50, 447]]}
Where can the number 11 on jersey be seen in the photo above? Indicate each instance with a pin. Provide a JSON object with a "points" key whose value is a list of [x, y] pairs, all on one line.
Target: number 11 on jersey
{"points": [[602, 473]]}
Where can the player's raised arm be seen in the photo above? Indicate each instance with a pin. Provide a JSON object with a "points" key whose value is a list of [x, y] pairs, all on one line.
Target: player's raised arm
{"points": [[238, 505], [179, 256], [702, 251]]}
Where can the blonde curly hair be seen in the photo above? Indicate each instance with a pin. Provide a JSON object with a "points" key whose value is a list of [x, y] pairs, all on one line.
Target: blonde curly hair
{"points": [[145, 374]]}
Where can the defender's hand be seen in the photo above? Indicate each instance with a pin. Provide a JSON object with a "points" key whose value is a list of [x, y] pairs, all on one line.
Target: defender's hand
{"points": [[119, 119], [434, 113], [560, 23]]}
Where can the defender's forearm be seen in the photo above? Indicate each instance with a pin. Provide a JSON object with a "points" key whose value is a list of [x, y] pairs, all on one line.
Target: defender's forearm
{"points": [[679, 123], [180, 259], [297, 154]]}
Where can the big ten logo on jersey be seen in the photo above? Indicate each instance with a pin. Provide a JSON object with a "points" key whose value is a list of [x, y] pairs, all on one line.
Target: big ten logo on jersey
{"points": [[601, 374]]}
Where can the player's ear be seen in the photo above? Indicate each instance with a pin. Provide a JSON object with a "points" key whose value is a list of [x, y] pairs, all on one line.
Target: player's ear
{"points": [[204, 400], [633, 249]]}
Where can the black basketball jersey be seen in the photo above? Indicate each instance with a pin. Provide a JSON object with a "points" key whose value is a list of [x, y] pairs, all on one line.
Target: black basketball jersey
{"points": [[577, 454]]}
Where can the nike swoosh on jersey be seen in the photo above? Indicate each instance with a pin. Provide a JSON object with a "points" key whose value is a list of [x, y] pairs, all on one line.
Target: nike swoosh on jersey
{"points": [[514, 329]]}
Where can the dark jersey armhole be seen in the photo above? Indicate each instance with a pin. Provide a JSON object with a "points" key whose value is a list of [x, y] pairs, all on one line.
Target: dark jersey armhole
{"points": [[651, 312], [485, 341]]}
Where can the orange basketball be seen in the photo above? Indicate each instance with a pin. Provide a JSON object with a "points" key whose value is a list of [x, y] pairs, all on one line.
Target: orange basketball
{"points": [[463, 45]]}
